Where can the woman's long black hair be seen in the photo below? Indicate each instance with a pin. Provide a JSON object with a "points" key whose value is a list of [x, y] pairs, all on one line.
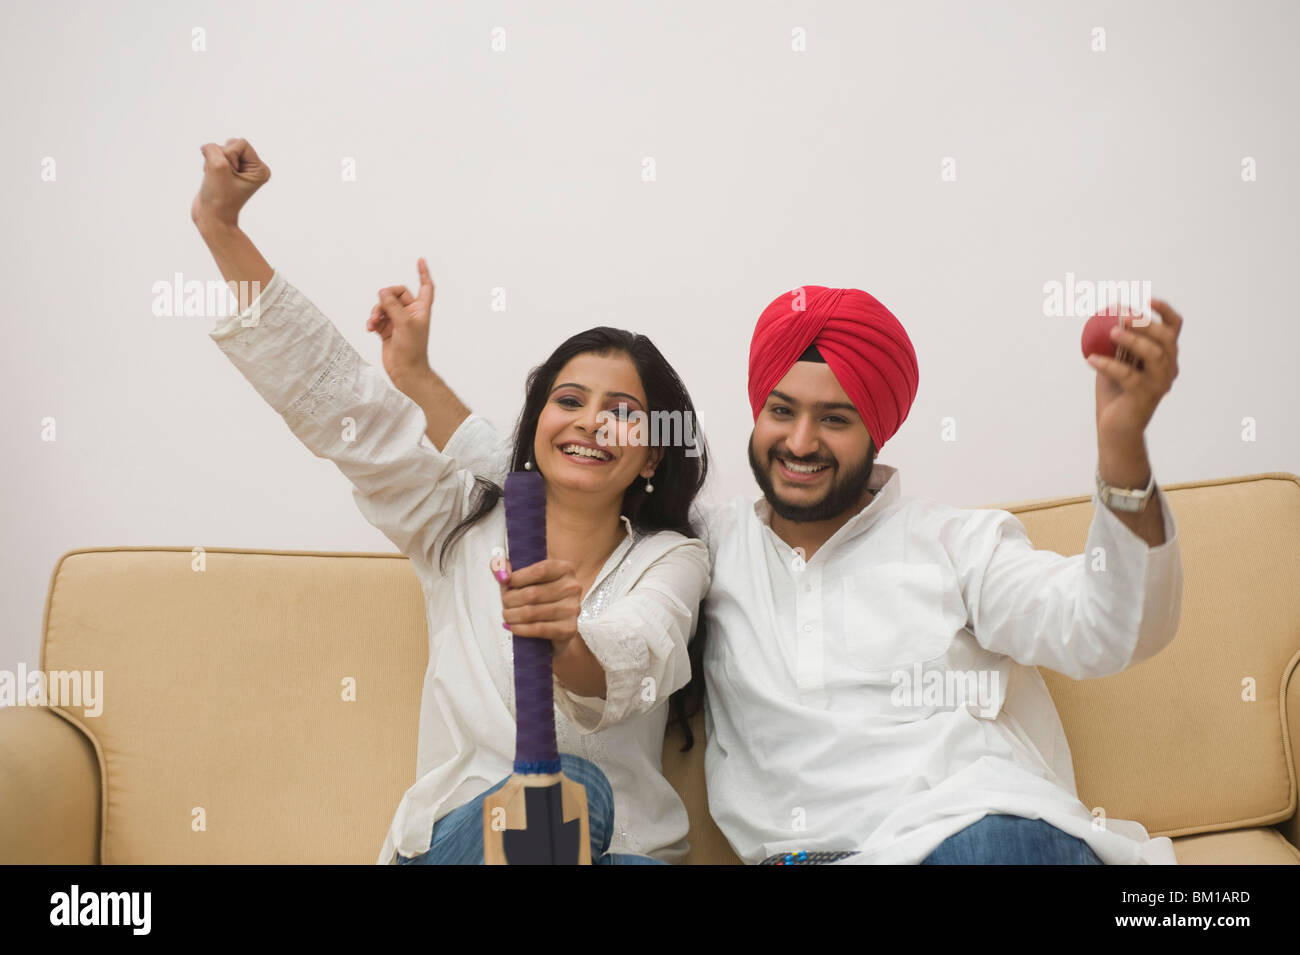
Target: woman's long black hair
{"points": [[678, 477]]}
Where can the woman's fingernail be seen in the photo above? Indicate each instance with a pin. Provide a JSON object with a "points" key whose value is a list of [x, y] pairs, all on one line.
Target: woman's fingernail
{"points": [[501, 575], [506, 625]]}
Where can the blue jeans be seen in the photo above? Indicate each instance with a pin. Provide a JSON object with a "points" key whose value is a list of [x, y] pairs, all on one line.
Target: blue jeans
{"points": [[1011, 840], [458, 836]]}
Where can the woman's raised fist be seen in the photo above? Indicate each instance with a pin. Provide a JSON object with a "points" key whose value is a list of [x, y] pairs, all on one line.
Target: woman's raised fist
{"points": [[231, 174]]}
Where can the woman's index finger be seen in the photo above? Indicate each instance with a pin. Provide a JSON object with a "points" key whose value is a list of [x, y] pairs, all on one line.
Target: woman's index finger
{"points": [[426, 281]]}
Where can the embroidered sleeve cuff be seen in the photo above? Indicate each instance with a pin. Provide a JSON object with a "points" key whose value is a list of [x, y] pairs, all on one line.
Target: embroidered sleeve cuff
{"points": [[624, 658], [250, 317], [641, 640]]}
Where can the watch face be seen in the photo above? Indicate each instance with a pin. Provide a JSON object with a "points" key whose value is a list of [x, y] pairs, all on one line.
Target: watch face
{"points": [[1132, 503]]}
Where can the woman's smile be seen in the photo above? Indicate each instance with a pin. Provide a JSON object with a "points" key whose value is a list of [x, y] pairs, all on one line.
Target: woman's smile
{"points": [[583, 453]]}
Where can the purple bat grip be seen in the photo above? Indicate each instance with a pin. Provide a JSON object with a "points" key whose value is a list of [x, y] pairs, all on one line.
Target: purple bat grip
{"points": [[535, 747]]}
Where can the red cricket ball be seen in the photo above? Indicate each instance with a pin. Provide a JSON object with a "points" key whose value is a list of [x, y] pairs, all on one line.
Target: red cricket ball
{"points": [[1096, 333]]}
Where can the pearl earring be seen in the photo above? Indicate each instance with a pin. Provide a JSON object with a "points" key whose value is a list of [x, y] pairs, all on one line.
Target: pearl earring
{"points": [[648, 486], [528, 465]]}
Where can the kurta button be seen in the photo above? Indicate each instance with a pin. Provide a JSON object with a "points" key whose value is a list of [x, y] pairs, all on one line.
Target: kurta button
{"points": [[807, 628]]}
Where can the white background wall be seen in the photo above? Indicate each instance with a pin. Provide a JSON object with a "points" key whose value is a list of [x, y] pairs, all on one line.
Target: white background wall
{"points": [[522, 169]]}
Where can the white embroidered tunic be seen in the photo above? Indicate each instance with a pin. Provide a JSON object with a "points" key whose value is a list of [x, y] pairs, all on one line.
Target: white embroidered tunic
{"points": [[636, 619]]}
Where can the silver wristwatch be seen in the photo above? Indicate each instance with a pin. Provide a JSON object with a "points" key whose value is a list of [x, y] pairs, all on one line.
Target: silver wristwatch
{"points": [[1123, 498]]}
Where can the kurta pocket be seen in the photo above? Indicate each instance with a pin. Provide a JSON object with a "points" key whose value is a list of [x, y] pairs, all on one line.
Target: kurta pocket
{"points": [[894, 616]]}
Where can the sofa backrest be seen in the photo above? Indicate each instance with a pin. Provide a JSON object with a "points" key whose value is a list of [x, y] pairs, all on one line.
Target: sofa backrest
{"points": [[262, 706], [259, 707]]}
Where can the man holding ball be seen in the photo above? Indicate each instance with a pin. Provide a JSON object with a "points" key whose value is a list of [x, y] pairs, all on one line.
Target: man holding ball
{"points": [[873, 694]]}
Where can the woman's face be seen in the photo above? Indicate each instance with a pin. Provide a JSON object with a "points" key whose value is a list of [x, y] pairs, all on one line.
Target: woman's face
{"points": [[582, 409]]}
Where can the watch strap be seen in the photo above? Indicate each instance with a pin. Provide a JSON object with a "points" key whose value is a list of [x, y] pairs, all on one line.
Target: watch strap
{"points": [[1125, 499]]}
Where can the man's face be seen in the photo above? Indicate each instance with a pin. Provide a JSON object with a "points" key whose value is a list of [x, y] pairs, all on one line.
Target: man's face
{"points": [[810, 452]]}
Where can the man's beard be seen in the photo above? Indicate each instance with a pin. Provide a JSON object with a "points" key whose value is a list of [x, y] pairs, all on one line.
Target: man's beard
{"points": [[844, 493]]}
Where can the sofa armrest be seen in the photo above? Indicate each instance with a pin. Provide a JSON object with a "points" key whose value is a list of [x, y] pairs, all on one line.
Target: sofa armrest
{"points": [[1290, 828], [49, 788]]}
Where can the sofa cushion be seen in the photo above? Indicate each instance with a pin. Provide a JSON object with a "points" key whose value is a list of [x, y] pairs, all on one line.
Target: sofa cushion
{"points": [[1261, 846]]}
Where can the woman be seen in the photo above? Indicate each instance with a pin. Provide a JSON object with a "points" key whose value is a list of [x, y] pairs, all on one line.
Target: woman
{"points": [[618, 596]]}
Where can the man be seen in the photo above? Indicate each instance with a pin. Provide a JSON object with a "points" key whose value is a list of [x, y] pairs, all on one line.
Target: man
{"points": [[870, 659], [872, 691]]}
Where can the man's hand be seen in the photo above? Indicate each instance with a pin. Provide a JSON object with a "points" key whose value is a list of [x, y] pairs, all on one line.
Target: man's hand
{"points": [[1127, 396]]}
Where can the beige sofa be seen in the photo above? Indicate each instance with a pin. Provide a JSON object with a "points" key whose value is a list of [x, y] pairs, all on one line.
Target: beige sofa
{"points": [[226, 735]]}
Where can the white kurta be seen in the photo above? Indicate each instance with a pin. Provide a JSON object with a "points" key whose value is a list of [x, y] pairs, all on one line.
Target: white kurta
{"points": [[823, 732], [637, 617]]}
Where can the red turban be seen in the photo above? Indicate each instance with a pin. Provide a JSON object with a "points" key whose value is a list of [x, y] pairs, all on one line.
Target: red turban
{"points": [[864, 345]]}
